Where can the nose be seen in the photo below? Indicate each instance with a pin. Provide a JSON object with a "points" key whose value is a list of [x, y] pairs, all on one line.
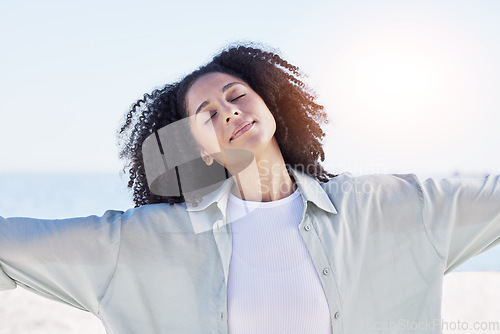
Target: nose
{"points": [[236, 112], [230, 112]]}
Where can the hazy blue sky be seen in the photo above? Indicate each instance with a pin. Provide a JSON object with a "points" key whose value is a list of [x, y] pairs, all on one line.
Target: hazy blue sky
{"points": [[411, 86]]}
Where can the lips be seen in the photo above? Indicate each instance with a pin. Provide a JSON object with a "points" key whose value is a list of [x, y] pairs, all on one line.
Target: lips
{"points": [[241, 129]]}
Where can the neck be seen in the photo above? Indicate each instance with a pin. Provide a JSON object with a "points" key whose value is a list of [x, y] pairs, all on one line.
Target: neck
{"points": [[265, 179]]}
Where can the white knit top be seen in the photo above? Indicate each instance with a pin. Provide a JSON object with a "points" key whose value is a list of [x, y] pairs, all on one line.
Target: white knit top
{"points": [[272, 285]]}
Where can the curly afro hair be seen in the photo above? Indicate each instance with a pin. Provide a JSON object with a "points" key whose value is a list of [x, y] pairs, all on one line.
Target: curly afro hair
{"points": [[298, 117]]}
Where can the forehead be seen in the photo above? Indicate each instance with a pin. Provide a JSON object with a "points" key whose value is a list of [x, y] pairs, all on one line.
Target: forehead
{"points": [[206, 87]]}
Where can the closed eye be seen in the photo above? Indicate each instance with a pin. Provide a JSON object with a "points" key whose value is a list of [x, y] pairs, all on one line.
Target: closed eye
{"points": [[213, 114], [238, 97]]}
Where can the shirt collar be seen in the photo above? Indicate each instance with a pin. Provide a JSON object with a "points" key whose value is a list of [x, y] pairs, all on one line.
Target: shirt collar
{"points": [[219, 196], [311, 191], [309, 187]]}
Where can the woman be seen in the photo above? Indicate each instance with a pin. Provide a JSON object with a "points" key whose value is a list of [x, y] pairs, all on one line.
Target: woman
{"points": [[290, 114], [280, 245]]}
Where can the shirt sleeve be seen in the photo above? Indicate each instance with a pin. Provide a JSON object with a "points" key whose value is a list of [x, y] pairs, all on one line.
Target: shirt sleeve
{"points": [[462, 217], [68, 260]]}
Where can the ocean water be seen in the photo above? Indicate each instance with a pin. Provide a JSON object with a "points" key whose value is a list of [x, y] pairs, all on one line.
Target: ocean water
{"points": [[64, 195]]}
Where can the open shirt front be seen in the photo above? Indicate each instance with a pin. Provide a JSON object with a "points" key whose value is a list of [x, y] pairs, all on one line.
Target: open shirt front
{"points": [[380, 245]]}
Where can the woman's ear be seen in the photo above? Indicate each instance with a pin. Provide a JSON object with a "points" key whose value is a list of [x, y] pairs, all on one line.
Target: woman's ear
{"points": [[207, 158]]}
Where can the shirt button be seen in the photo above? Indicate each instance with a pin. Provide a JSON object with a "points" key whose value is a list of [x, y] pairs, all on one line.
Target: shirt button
{"points": [[307, 227], [337, 315], [326, 271], [222, 315], [218, 224]]}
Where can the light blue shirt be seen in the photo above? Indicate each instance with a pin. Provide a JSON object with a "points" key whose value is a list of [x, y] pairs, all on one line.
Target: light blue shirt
{"points": [[380, 245]]}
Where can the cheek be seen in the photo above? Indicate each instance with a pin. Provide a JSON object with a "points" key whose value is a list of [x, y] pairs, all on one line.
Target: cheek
{"points": [[206, 138], [270, 121]]}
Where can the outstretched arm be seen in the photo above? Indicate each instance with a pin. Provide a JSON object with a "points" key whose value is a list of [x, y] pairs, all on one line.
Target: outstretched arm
{"points": [[69, 260], [462, 217]]}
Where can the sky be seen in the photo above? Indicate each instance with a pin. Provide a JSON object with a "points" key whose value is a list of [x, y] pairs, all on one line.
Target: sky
{"points": [[409, 86]]}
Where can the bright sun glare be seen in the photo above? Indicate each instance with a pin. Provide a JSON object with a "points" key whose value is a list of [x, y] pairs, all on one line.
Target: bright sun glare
{"points": [[396, 85]]}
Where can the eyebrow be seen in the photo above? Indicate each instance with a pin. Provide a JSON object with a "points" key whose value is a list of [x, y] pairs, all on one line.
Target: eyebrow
{"points": [[226, 87]]}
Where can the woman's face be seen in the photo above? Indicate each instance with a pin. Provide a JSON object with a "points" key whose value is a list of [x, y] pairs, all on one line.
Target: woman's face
{"points": [[225, 113]]}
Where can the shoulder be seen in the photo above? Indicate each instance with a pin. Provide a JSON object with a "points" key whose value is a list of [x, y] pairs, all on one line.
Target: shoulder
{"points": [[380, 187], [162, 217], [372, 181]]}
